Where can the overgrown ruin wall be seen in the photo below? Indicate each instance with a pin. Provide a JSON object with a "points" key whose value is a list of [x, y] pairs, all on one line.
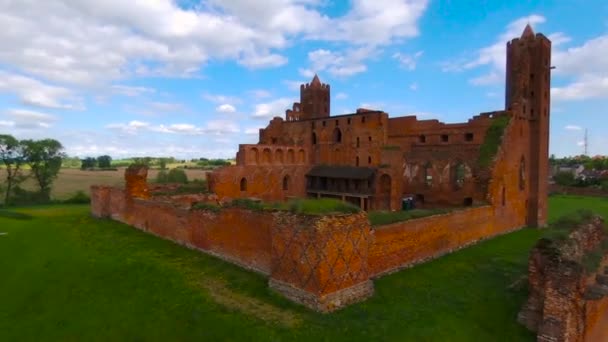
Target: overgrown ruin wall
{"points": [[568, 293]]}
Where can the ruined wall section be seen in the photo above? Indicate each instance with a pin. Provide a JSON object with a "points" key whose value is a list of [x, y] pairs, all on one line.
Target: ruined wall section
{"points": [[568, 299], [439, 160]]}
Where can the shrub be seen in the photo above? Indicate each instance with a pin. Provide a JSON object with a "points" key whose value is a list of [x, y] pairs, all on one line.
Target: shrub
{"points": [[246, 203], [21, 196], [206, 206], [162, 177], [377, 218], [177, 176], [564, 178], [79, 197]]}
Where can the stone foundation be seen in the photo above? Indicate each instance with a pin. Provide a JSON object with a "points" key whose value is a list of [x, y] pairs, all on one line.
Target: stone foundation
{"points": [[325, 303]]}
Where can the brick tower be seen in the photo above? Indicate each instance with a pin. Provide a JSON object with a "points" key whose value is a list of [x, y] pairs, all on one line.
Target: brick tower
{"points": [[527, 93], [314, 99]]}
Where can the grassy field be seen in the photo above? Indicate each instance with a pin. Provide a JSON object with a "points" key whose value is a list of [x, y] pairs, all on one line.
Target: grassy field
{"points": [[70, 181], [68, 277]]}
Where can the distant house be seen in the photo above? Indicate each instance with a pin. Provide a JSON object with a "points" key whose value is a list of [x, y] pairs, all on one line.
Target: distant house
{"points": [[576, 170]]}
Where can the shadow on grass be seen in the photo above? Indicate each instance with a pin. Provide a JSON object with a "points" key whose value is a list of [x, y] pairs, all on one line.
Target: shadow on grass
{"points": [[14, 215]]}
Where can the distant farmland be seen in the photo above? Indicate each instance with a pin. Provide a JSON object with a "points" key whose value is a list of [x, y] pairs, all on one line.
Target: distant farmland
{"points": [[70, 181]]}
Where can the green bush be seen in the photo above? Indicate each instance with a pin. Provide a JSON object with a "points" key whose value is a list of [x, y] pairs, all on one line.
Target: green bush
{"points": [[564, 178], [162, 177], [79, 197], [21, 196], [247, 203], [177, 176], [206, 206]]}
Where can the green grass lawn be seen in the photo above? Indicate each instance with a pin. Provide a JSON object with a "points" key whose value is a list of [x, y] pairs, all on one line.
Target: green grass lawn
{"points": [[65, 276]]}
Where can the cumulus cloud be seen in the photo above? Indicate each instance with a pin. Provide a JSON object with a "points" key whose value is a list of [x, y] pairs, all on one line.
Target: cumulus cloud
{"points": [[339, 63], [221, 99], [273, 108], [28, 119], [260, 93], [212, 127], [252, 131], [35, 93], [225, 108], [414, 86], [131, 91], [573, 128]]}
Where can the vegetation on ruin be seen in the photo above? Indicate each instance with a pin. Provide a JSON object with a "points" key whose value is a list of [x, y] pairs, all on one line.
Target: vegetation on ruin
{"points": [[559, 230], [306, 206], [206, 206], [321, 206], [378, 218], [196, 186], [492, 141], [68, 276]]}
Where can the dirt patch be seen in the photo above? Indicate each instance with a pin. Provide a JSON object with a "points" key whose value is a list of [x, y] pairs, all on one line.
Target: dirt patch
{"points": [[221, 294]]}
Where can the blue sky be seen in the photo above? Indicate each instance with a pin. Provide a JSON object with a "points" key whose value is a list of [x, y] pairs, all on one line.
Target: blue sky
{"points": [[196, 78]]}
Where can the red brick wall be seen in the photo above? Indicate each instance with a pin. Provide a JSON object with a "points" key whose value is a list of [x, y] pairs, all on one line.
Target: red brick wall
{"points": [[237, 235]]}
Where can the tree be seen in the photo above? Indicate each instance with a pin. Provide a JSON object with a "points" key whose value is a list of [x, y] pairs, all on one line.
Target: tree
{"points": [[564, 178], [88, 163], [44, 158], [11, 155], [104, 162]]}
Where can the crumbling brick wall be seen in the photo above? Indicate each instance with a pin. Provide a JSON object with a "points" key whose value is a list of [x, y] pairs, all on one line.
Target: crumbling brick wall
{"points": [[566, 298]]}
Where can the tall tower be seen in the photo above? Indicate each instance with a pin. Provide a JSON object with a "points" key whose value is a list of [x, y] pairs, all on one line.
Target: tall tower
{"points": [[527, 92], [314, 99]]}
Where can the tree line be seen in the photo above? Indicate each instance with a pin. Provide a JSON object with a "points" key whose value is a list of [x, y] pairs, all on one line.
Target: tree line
{"points": [[39, 160]]}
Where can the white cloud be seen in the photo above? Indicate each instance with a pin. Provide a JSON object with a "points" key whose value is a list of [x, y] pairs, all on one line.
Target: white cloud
{"points": [[586, 87], [407, 61], [573, 128], [221, 99], [131, 91], [341, 96], [267, 60], [414, 86], [28, 119], [260, 93], [225, 108], [35, 93], [341, 64], [272, 108], [217, 127], [491, 78]]}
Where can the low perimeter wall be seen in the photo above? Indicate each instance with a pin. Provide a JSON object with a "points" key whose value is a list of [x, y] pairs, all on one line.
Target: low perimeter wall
{"points": [[323, 262]]}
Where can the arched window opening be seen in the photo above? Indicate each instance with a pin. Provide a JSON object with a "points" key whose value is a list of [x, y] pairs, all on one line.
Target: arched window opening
{"points": [[522, 174], [458, 175], [422, 138], [369, 160], [427, 174], [314, 138], [337, 135], [504, 196], [243, 184], [357, 141], [357, 161], [285, 183]]}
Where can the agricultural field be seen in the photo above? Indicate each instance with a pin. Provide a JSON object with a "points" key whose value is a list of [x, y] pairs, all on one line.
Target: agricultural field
{"points": [[70, 181], [68, 276]]}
